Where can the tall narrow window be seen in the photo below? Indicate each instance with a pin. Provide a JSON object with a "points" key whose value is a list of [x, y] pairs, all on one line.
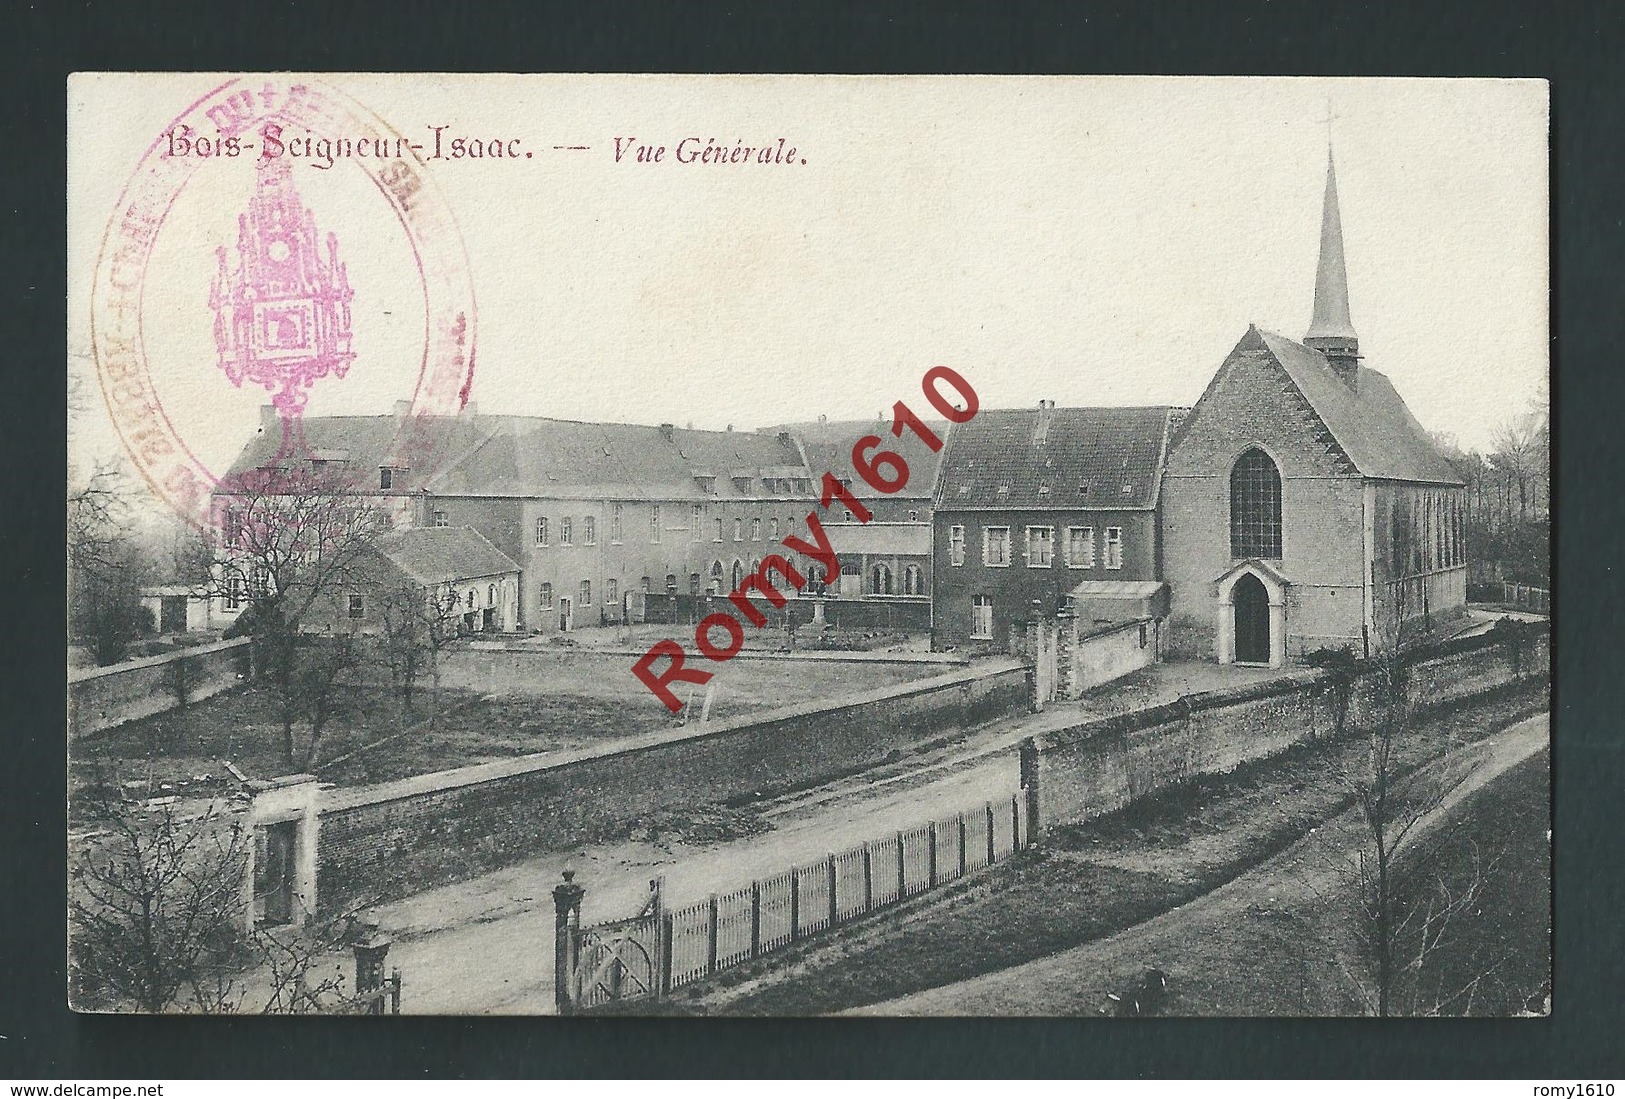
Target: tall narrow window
{"points": [[654, 522], [696, 522], [1040, 547], [612, 591], [617, 513], [1114, 547], [589, 530], [956, 545], [1080, 547], [996, 547], [545, 596], [981, 618], [1255, 507], [541, 530], [566, 532], [586, 592]]}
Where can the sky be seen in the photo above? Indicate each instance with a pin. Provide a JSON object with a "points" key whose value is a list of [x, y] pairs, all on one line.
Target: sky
{"points": [[1091, 241]]}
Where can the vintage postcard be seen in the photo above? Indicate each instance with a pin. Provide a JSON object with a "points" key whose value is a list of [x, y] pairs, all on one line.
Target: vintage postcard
{"points": [[792, 545]]}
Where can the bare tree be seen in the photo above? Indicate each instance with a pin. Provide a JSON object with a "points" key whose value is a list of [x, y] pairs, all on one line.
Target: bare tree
{"points": [[418, 622], [156, 906], [289, 539], [105, 567], [151, 902]]}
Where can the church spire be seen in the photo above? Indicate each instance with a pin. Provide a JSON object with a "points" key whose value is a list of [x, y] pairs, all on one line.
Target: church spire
{"points": [[1330, 330]]}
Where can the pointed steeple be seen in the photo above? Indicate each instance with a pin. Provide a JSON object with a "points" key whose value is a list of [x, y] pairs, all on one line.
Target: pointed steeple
{"points": [[1330, 330]]}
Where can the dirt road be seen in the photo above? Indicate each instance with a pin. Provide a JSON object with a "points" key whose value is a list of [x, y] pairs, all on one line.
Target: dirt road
{"points": [[486, 945], [1217, 940]]}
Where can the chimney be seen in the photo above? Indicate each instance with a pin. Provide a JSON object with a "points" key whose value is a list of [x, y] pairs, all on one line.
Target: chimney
{"points": [[666, 432], [784, 438], [1041, 426]]}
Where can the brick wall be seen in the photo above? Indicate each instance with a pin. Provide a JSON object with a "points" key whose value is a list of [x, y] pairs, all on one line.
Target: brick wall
{"points": [[1099, 766], [100, 698], [1013, 588], [394, 838]]}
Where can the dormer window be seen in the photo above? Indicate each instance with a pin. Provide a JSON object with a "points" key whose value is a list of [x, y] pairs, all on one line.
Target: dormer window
{"points": [[388, 475], [707, 484], [741, 484], [1128, 490]]}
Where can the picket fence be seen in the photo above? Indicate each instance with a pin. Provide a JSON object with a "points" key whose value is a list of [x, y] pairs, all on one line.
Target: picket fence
{"points": [[658, 952]]}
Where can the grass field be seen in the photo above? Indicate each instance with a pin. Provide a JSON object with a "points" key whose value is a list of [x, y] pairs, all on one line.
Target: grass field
{"points": [[494, 705], [1092, 881]]}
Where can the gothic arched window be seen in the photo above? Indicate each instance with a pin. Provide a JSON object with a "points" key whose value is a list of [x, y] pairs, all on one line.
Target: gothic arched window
{"points": [[1255, 506]]}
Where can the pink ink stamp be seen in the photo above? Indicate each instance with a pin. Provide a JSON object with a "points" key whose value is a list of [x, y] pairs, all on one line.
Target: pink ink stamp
{"points": [[281, 296]]}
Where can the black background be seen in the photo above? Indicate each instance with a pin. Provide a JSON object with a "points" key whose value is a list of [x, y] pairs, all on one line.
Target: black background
{"points": [[1579, 47]]}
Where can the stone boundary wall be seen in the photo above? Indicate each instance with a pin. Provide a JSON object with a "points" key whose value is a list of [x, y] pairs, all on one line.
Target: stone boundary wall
{"points": [[1098, 657], [387, 840], [1099, 766], [872, 612], [99, 698]]}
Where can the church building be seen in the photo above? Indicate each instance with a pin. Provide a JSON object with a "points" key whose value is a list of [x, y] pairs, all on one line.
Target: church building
{"points": [[1303, 506]]}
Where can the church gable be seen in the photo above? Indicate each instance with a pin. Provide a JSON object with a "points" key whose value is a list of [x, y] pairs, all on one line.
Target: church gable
{"points": [[1252, 399]]}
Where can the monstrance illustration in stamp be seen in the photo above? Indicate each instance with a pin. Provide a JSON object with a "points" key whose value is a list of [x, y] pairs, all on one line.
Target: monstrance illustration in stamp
{"points": [[905, 546]]}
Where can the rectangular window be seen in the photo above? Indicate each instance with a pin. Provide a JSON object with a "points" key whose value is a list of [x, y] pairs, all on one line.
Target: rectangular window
{"points": [[612, 591], [1080, 547], [739, 530], [234, 593], [645, 583], [1040, 547], [956, 545], [616, 513], [586, 593], [541, 530], [589, 530], [566, 532], [234, 527], [996, 547], [441, 519], [755, 530], [719, 530], [654, 522], [358, 607], [544, 596], [773, 529], [981, 618], [1114, 547], [696, 522], [386, 477]]}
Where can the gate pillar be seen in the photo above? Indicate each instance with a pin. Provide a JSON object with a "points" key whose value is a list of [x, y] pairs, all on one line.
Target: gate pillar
{"points": [[566, 943]]}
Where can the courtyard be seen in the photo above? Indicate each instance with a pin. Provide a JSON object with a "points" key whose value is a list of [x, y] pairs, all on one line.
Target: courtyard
{"points": [[494, 704]]}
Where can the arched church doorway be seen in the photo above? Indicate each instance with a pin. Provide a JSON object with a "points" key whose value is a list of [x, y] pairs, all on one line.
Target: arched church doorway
{"points": [[1252, 608]]}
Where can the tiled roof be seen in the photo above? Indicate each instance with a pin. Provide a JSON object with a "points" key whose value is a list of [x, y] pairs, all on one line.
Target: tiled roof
{"points": [[828, 446], [1369, 420], [531, 456], [436, 555], [1105, 458], [367, 443]]}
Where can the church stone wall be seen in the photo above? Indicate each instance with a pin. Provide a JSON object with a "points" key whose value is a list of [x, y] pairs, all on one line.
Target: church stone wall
{"points": [[1253, 403]]}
